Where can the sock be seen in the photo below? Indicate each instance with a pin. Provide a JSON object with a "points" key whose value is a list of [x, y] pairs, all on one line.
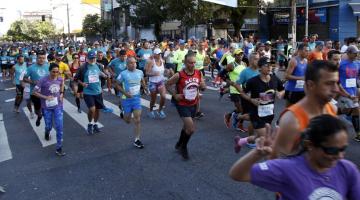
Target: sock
{"points": [[181, 138], [186, 140], [243, 141], [355, 123], [77, 100]]}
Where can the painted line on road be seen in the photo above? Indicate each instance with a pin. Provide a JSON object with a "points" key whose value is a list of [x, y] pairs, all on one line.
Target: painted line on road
{"points": [[212, 88], [9, 100], [12, 88], [80, 118], [5, 151], [40, 130]]}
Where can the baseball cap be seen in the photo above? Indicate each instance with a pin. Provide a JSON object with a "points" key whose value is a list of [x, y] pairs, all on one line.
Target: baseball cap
{"points": [[181, 42], [157, 51], [267, 43], [59, 54], [238, 51], [91, 54], [96, 42], [122, 52], [263, 61], [352, 49]]}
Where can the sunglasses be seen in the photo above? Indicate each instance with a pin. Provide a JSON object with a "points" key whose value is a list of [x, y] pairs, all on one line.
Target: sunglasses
{"points": [[333, 150], [54, 72], [76, 57]]}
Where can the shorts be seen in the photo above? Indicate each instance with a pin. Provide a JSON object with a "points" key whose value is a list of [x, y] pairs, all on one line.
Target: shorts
{"points": [[36, 101], [245, 105], [154, 87], [19, 90], [131, 104], [94, 100], [236, 98], [260, 122], [170, 66], [186, 111], [344, 102], [294, 97]]}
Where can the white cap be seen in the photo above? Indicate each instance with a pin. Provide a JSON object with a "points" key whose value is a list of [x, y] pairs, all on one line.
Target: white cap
{"points": [[157, 51]]}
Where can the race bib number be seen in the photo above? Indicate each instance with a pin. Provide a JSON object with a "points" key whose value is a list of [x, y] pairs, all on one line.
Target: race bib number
{"points": [[12, 62], [299, 84], [351, 82], [3, 62], [51, 103], [82, 59], [265, 110], [21, 77], [191, 94], [134, 90], [146, 56], [93, 78]]}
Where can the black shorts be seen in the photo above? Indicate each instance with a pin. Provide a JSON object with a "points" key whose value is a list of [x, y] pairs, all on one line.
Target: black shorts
{"points": [[94, 100], [236, 98], [170, 66], [202, 72], [186, 111], [294, 97], [36, 101], [19, 90], [245, 105], [259, 122]]}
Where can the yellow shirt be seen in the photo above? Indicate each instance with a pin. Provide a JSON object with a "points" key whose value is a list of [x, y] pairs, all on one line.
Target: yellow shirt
{"points": [[63, 67]]}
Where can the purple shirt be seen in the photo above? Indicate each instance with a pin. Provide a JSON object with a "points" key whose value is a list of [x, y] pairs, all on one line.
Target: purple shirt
{"points": [[294, 179], [48, 87]]}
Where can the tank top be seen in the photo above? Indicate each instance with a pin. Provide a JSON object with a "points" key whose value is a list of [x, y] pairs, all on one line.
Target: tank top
{"points": [[188, 85], [74, 69], [297, 85], [157, 68]]}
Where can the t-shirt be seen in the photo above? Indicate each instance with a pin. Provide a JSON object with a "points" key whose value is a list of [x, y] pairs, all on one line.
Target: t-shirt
{"points": [[144, 55], [35, 72], [295, 179], [49, 87], [315, 55], [245, 75], [233, 75], [179, 57], [117, 65], [131, 82], [63, 67], [92, 78], [20, 71], [312, 45], [348, 73]]}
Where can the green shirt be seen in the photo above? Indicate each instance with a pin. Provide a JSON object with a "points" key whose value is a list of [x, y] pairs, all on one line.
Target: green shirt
{"points": [[234, 75], [179, 57]]}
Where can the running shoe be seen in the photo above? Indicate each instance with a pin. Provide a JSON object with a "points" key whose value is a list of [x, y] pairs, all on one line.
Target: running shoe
{"points": [[121, 114], [151, 114], [162, 115], [47, 135], [251, 145], [90, 130], [357, 138], [79, 110], [227, 120], [234, 120], [38, 120], [199, 115], [60, 152], [184, 153], [237, 147], [138, 144], [241, 127], [96, 129]]}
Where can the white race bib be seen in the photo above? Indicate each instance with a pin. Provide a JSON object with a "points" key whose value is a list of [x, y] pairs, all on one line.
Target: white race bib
{"points": [[12, 62], [299, 84], [146, 56], [3, 62], [190, 94], [51, 103], [93, 78], [21, 77], [333, 101], [82, 58], [27, 88], [134, 90], [351, 82], [265, 110]]}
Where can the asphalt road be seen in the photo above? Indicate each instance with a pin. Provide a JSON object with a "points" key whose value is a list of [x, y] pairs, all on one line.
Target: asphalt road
{"points": [[107, 166]]}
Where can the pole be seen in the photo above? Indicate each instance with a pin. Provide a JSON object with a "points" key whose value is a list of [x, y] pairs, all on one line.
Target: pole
{"points": [[307, 19], [68, 19], [293, 21], [112, 20]]}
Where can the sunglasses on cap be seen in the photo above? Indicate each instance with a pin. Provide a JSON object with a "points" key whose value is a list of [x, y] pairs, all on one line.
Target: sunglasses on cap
{"points": [[333, 150]]}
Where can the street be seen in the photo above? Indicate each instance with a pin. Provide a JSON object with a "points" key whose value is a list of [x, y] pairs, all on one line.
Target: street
{"points": [[107, 165]]}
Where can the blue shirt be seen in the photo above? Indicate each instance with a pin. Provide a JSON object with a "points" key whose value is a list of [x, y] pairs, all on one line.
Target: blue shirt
{"points": [[245, 75], [348, 75], [36, 72], [295, 85], [131, 82], [117, 66], [92, 78], [20, 71], [4, 60], [144, 55]]}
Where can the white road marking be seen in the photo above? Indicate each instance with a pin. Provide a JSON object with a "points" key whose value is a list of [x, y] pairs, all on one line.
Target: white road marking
{"points": [[9, 100], [12, 88], [5, 151]]}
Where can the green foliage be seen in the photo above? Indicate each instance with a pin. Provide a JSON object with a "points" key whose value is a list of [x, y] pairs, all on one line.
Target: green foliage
{"points": [[93, 25], [24, 30]]}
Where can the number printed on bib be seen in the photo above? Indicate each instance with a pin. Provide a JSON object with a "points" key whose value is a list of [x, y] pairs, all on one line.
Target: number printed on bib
{"points": [[146, 56], [351, 82], [299, 84], [51, 103], [93, 78], [134, 90], [191, 93], [265, 110]]}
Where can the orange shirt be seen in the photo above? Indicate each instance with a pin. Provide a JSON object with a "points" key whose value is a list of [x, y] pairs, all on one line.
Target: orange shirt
{"points": [[315, 55], [130, 53]]}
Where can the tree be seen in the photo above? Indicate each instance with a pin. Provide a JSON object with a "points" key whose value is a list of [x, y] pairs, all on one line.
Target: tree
{"points": [[93, 26], [24, 30]]}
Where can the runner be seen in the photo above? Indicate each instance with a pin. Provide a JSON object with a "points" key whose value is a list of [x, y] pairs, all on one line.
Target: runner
{"points": [[321, 86], [179, 56], [88, 77], [263, 89], [169, 60], [155, 71], [318, 172], [316, 54], [129, 83], [188, 83], [200, 65], [143, 55], [33, 74], [20, 70], [295, 75], [77, 88], [50, 89]]}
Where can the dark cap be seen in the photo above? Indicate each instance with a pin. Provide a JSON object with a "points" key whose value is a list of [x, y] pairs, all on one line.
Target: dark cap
{"points": [[122, 52], [91, 54], [352, 49], [263, 61]]}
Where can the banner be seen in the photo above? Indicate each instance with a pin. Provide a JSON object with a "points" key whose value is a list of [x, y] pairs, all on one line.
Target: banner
{"points": [[231, 3]]}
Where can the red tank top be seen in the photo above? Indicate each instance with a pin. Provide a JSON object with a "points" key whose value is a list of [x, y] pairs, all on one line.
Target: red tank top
{"points": [[188, 85]]}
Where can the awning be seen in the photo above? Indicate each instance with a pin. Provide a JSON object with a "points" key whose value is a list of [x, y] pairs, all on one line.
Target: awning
{"points": [[356, 8]]}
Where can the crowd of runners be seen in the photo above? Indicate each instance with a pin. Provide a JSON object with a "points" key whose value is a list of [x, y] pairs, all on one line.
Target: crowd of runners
{"points": [[320, 82]]}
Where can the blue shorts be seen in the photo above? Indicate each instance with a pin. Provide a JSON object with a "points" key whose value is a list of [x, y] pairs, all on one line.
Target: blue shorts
{"points": [[154, 87], [131, 104]]}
